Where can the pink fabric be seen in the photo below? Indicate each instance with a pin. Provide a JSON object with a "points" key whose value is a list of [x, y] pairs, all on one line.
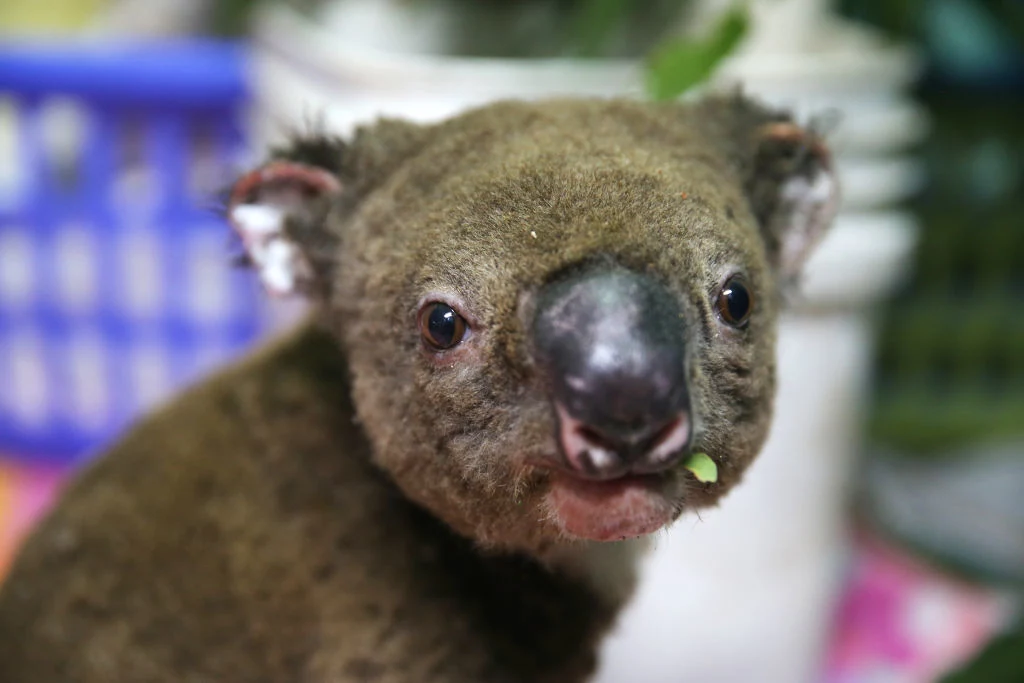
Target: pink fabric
{"points": [[902, 621], [26, 493]]}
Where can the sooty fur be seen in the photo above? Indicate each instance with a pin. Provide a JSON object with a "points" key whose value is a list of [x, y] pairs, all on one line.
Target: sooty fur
{"points": [[346, 505]]}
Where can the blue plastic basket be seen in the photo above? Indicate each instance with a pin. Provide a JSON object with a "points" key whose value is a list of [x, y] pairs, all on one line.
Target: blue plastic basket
{"points": [[115, 280]]}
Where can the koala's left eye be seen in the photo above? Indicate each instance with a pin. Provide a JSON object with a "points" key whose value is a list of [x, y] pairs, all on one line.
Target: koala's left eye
{"points": [[442, 328], [735, 303]]}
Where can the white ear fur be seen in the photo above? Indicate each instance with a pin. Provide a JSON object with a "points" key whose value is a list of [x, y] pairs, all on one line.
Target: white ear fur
{"points": [[808, 205], [261, 204], [806, 197], [278, 261]]}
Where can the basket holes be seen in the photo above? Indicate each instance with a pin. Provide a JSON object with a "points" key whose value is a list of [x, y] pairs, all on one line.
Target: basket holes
{"points": [[131, 143], [136, 187], [26, 397], [150, 374], [76, 258], [16, 270], [12, 170], [207, 177], [139, 259], [208, 295], [63, 126], [88, 372]]}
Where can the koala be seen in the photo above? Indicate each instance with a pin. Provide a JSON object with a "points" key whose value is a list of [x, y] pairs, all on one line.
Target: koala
{"points": [[524, 320]]}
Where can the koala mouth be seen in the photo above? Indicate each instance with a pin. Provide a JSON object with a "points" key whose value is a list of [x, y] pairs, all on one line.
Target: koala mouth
{"points": [[611, 484], [601, 490], [610, 510]]}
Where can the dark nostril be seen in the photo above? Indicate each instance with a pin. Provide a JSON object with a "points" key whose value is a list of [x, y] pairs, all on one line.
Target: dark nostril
{"points": [[596, 438], [662, 449], [650, 443]]}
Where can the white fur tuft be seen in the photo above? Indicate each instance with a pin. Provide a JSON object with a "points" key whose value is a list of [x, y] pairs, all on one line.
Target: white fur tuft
{"points": [[278, 261], [812, 202]]}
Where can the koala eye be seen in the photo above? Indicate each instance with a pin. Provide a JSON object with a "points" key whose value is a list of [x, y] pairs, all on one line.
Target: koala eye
{"points": [[442, 328], [735, 302]]}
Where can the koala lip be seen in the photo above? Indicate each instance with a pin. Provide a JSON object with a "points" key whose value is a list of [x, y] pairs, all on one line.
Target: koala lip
{"points": [[613, 510]]}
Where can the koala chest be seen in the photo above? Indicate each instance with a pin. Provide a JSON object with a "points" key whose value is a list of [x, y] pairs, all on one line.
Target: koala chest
{"points": [[431, 608]]}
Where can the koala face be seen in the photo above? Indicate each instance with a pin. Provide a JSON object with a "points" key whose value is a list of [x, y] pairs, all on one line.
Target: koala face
{"points": [[547, 308]]}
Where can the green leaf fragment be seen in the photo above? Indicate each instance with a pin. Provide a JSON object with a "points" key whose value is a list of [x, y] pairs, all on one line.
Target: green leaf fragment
{"points": [[703, 467], [681, 64]]}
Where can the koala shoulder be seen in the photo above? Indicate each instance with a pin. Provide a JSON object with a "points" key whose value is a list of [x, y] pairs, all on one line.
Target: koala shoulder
{"points": [[179, 535], [242, 533]]}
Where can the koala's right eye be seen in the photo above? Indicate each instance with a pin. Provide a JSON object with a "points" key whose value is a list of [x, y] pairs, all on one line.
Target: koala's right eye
{"points": [[442, 328], [735, 302]]}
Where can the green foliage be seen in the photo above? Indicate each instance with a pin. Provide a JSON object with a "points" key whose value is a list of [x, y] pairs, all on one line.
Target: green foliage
{"points": [[575, 28], [595, 21], [680, 64], [909, 19], [1002, 661], [950, 363]]}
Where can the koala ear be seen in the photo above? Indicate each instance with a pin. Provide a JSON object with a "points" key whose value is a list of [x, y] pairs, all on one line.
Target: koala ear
{"points": [[279, 212], [793, 190]]}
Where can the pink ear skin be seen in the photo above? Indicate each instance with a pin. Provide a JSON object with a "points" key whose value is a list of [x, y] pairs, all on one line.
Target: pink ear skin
{"points": [[793, 134], [302, 180], [260, 205]]}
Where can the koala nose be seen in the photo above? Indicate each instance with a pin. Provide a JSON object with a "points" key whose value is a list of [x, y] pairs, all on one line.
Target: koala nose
{"points": [[611, 345]]}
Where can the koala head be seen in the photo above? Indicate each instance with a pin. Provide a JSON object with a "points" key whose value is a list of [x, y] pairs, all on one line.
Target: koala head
{"points": [[546, 308]]}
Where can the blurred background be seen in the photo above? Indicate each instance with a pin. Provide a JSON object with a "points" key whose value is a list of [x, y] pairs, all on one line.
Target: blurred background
{"points": [[879, 538]]}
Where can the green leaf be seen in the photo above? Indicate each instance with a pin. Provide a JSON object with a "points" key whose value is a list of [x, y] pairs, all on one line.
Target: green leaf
{"points": [[681, 63], [703, 467]]}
